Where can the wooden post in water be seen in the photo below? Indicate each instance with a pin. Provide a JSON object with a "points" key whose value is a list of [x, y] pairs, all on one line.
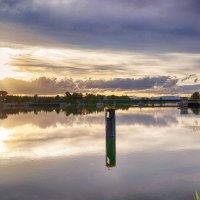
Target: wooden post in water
{"points": [[110, 137]]}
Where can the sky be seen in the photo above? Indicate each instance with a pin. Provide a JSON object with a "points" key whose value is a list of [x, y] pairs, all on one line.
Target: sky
{"points": [[132, 47]]}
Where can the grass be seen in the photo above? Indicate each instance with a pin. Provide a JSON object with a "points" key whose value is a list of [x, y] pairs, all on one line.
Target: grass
{"points": [[196, 197]]}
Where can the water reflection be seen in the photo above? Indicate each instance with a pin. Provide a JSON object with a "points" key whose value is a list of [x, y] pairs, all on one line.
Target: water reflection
{"points": [[110, 138], [52, 156], [70, 110], [49, 134], [196, 111], [184, 111]]}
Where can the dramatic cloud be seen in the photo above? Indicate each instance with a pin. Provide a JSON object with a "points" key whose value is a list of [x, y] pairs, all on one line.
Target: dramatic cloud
{"points": [[148, 85], [147, 46], [129, 24], [98, 64], [40, 86], [132, 84]]}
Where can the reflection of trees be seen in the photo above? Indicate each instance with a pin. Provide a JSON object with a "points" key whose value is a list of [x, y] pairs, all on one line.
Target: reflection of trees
{"points": [[70, 110], [76, 110], [196, 111], [57, 110], [3, 94], [3, 115]]}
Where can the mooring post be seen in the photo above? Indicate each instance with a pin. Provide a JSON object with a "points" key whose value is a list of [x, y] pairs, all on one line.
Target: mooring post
{"points": [[110, 137], [110, 122]]}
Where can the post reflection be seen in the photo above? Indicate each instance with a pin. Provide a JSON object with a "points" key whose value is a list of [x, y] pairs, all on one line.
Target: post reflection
{"points": [[183, 111], [110, 137]]}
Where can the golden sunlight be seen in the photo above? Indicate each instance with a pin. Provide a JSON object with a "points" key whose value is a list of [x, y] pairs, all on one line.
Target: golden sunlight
{"points": [[4, 134], [6, 70]]}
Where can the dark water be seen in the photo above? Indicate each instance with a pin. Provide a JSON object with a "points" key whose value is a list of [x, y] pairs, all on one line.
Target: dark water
{"points": [[51, 156]]}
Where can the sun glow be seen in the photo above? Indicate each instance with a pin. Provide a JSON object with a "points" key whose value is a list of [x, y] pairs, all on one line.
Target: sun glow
{"points": [[6, 70], [4, 134]]}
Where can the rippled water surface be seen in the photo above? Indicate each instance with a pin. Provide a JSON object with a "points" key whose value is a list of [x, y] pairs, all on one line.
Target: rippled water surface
{"points": [[59, 156]]}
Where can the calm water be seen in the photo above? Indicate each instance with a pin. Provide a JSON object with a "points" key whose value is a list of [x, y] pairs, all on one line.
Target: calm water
{"points": [[51, 156]]}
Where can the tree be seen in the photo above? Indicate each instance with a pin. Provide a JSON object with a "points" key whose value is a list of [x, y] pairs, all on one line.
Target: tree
{"points": [[67, 94], [35, 98], [3, 93], [68, 97], [57, 98], [195, 96]]}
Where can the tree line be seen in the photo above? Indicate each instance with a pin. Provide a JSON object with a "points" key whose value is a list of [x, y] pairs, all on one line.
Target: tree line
{"points": [[72, 98]]}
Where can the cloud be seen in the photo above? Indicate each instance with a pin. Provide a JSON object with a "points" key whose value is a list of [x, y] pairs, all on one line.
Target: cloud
{"points": [[100, 64], [131, 84], [147, 46], [132, 25], [140, 86], [53, 119], [192, 78], [39, 86]]}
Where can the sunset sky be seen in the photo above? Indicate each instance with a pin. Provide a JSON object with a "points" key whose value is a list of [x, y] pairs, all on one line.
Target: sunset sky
{"points": [[133, 47]]}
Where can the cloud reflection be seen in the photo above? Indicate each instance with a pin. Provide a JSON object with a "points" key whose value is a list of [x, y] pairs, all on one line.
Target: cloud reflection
{"points": [[49, 135]]}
